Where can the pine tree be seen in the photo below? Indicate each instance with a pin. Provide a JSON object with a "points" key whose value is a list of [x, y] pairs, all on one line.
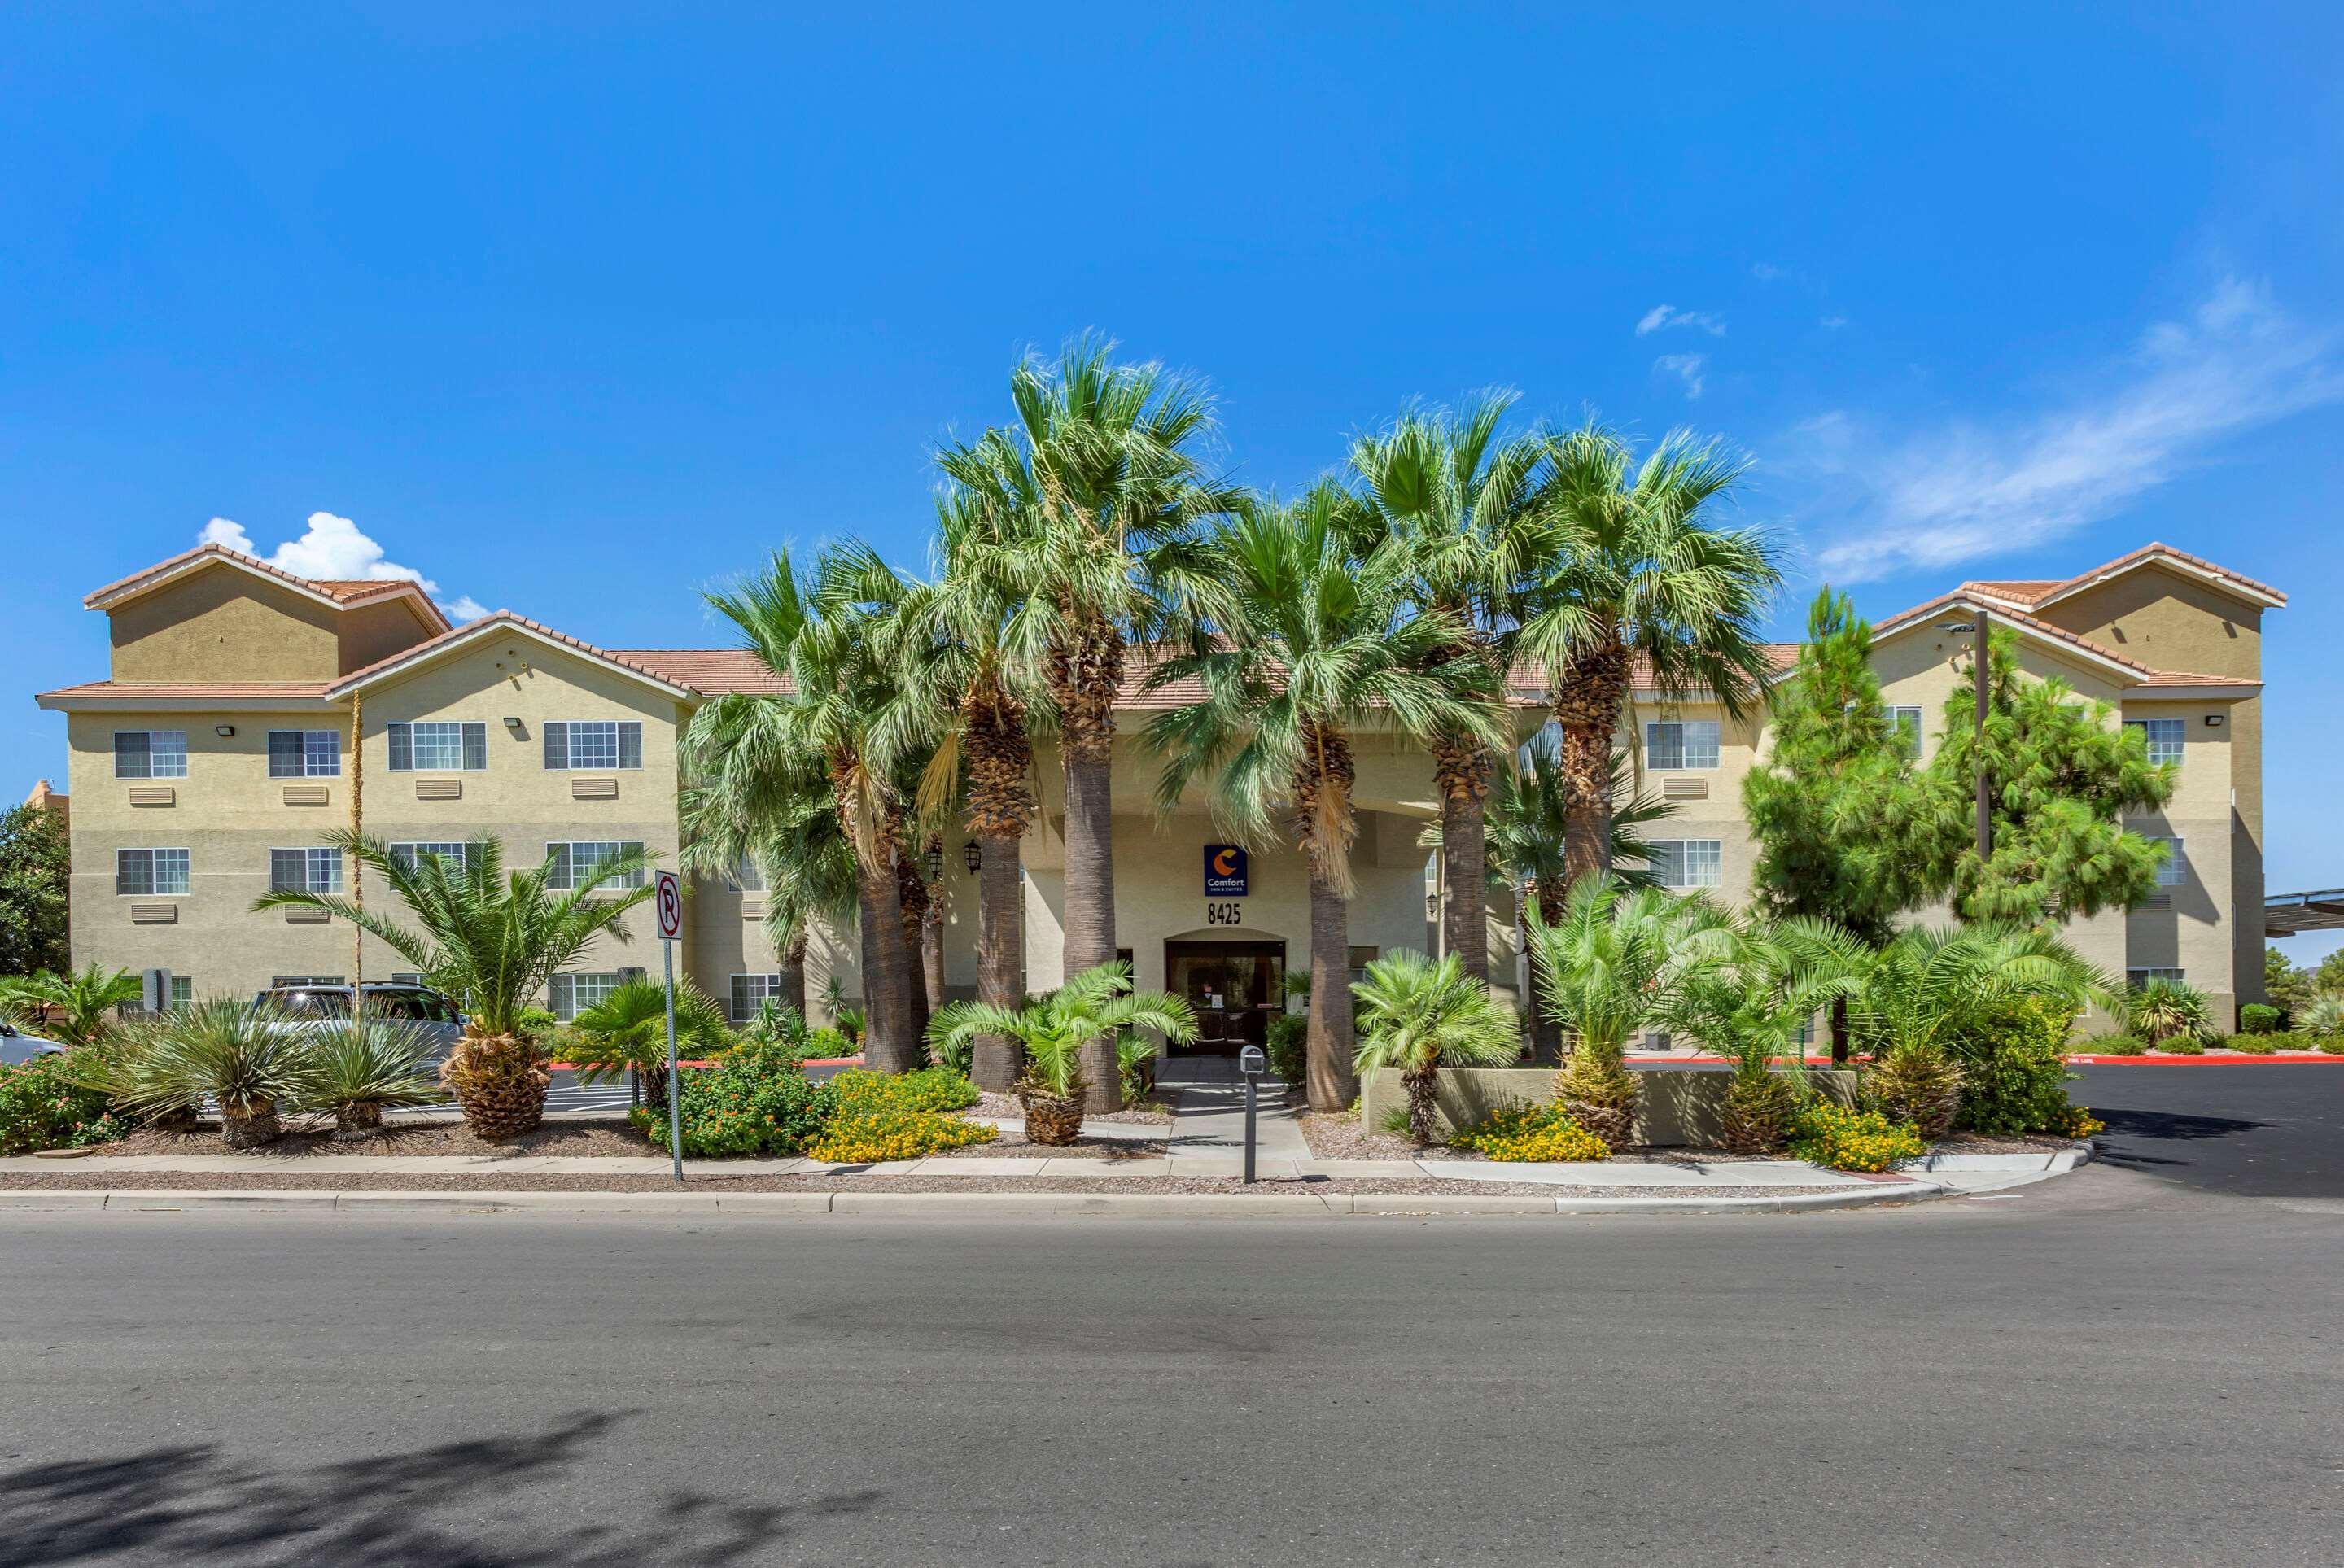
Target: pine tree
{"points": [[35, 867], [1832, 805], [2060, 774]]}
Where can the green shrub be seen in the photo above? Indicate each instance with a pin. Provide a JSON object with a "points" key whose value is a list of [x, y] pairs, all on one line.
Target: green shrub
{"points": [[1832, 1135], [825, 1045], [1527, 1132], [2289, 1040], [2333, 1045], [1289, 1048], [754, 1103], [929, 1089], [1396, 1124], [2119, 1045], [2013, 1066], [2255, 1018], [2250, 1044], [42, 1108], [2181, 1045]]}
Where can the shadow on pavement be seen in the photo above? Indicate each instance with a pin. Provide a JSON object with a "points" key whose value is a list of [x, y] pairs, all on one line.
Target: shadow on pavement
{"points": [[193, 1502], [2172, 1125]]}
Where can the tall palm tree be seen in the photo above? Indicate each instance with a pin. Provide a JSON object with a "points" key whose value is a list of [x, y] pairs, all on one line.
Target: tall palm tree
{"points": [[1528, 819], [1112, 453], [494, 941], [1455, 498], [1307, 646], [1640, 584], [75, 1002]]}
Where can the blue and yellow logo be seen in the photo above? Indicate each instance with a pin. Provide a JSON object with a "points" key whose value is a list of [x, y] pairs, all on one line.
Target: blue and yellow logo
{"points": [[1225, 872]]}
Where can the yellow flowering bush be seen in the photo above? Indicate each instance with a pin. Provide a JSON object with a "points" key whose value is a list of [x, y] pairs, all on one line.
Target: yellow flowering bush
{"points": [[1842, 1140], [929, 1089], [2078, 1123], [1531, 1132], [865, 1136]]}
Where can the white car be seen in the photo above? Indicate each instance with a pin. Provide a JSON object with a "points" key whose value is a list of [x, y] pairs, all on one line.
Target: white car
{"points": [[309, 1006], [17, 1047]]}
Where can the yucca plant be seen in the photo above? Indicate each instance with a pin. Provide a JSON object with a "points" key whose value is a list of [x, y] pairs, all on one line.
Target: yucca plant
{"points": [[1612, 964], [72, 1006], [355, 1072], [493, 939], [628, 1030], [221, 1049], [1052, 1031], [2324, 1019], [1415, 1015], [1751, 1008], [2164, 1010]]}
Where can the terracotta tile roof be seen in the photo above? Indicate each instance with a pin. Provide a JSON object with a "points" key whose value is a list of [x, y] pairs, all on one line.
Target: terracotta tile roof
{"points": [[2022, 591], [2150, 550], [483, 626], [187, 689], [706, 670], [341, 591], [2019, 618]]}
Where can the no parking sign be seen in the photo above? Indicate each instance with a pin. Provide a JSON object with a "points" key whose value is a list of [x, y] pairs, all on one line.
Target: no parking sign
{"points": [[670, 902]]}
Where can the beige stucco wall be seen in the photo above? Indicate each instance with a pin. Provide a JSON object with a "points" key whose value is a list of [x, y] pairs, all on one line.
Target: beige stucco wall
{"points": [[224, 624], [369, 632]]}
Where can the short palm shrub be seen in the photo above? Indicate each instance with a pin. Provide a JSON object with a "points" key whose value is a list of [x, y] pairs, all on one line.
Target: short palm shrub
{"points": [[1914, 1082], [44, 1104], [1052, 1030], [755, 1103], [2259, 1018], [221, 1049], [2120, 1045], [1531, 1132], [859, 1090], [627, 1031], [1415, 1016], [1752, 1010], [865, 1136], [356, 1072], [1839, 1138], [2165, 1009], [1134, 1065], [1288, 1046]]}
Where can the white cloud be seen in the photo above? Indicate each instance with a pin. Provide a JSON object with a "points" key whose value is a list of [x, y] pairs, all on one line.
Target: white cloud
{"points": [[1666, 315], [336, 549], [1767, 272], [1687, 368], [1833, 323], [1974, 489]]}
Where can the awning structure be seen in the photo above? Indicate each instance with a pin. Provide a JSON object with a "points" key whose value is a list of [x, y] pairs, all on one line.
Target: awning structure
{"points": [[2290, 914]]}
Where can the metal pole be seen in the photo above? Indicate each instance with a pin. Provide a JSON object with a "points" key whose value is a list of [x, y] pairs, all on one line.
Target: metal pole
{"points": [[674, 1086], [1985, 796], [1248, 1163]]}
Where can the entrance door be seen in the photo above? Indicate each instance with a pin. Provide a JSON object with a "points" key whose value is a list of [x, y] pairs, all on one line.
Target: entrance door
{"points": [[1233, 986]]}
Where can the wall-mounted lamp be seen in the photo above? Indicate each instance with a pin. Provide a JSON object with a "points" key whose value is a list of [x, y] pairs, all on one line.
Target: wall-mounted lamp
{"points": [[2213, 721], [223, 729], [971, 855], [513, 725], [933, 863]]}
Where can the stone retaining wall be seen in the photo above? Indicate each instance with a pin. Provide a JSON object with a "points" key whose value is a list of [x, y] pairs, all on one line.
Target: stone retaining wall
{"points": [[1675, 1106]]}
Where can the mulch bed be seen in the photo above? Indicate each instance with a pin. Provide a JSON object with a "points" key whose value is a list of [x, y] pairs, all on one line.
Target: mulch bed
{"points": [[526, 1181], [582, 1138], [1340, 1135], [989, 1104]]}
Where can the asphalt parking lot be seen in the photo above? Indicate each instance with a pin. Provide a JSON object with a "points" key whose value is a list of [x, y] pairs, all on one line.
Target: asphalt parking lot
{"points": [[2271, 1130]]}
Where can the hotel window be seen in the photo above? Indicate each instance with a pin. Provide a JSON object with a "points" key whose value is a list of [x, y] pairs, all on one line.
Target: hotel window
{"points": [[602, 744], [150, 754], [1688, 862], [2164, 737], [305, 871], [1681, 746], [573, 863], [751, 991], [2135, 979], [2175, 872], [182, 994], [1905, 722], [1360, 958], [305, 753], [569, 995], [746, 877], [147, 872], [464, 855], [438, 747]]}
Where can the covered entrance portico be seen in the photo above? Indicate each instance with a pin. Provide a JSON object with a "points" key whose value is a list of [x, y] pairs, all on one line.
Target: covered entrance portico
{"points": [[1235, 981]]}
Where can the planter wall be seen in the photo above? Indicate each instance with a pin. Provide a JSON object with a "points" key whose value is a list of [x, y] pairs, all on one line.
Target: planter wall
{"points": [[1675, 1106]]}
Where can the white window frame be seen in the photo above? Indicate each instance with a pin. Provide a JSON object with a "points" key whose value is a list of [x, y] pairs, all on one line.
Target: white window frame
{"points": [[565, 878], [154, 887], [2169, 749], [322, 869], [562, 998], [748, 992], [1672, 858], [1911, 732], [747, 876], [316, 754], [1698, 745], [623, 752], [169, 761], [2175, 872], [407, 851], [471, 745], [2135, 979]]}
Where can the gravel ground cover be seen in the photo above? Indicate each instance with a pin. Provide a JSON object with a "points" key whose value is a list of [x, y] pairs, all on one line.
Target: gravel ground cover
{"points": [[989, 1104], [600, 1137], [525, 1181]]}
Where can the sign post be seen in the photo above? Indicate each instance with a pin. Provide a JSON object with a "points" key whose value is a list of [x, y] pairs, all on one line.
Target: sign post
{"points": [[669, 901], [1252, 1061]]}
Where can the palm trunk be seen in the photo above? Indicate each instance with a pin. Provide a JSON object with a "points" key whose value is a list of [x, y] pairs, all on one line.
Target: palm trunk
{"points": [[1461, 769], [1000, 959], [1332, 1083], [1839, 1031], [1423, 1086], [932, 954], [1090, 908], [793, 957], [1546, 1035], [890, 1042], [1587, 706]]}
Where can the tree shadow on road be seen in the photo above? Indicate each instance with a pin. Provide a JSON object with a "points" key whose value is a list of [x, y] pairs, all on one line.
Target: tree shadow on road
{"points": [[194, 1502]]}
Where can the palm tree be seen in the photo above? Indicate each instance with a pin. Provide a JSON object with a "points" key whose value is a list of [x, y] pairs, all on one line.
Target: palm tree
{"points": [[1308, 646], [1638, 587], [1454, 499], [1111, 453], [626, 1030], [1612, 965], [75, 1003], [492, 940], [1054, 1032], [1753, 1007], [1526, 822], [1415, 1014]]}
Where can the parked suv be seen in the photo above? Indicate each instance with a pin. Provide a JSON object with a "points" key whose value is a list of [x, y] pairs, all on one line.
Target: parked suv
{"points": [[310, 1006], [17, 1047]]}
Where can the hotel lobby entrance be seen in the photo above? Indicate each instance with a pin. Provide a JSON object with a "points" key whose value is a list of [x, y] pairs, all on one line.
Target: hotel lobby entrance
{"points": [[1233, 986]]}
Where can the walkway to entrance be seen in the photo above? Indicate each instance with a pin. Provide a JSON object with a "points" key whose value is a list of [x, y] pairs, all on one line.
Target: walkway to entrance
{"points": [[1208, 1110]]}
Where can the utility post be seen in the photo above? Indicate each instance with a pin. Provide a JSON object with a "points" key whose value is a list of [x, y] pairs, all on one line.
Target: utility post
{"points": [[669, 902]]}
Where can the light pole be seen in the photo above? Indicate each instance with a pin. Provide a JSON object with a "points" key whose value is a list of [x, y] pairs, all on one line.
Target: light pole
{"points": [[1978, 678]]}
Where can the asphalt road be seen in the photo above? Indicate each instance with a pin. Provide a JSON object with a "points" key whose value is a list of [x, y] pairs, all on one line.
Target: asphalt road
{"points": [[2113, 1367]]}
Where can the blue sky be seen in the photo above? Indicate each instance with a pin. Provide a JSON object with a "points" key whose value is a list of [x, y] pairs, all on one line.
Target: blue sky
{"points": [[576, 312]]}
